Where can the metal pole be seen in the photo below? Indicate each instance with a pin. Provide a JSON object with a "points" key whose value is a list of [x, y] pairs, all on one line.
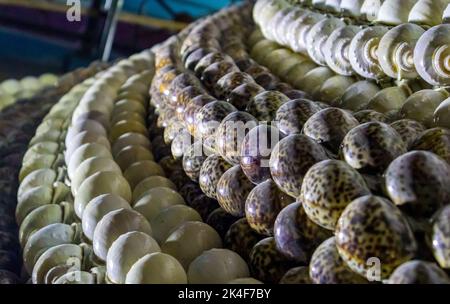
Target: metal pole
{"points": [[109, 31]]}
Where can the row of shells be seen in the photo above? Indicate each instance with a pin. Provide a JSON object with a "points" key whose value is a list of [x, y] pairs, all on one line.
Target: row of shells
{"points": [[394, 47], [18, 123], [94, 203], [355, 174]]}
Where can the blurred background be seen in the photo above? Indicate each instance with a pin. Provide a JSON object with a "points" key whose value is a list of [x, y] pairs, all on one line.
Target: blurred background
{"points": [[36, 36]]}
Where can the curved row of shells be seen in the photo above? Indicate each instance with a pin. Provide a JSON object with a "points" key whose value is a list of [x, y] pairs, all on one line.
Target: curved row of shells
{"points": [[407, 40], [335, 179], [94, 203], [18, 123]]}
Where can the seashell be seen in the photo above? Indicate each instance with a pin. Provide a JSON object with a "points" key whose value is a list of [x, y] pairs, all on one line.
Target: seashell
{"points": [[336, 49], [313, 80], [41, 177], [262, 48], [427, 12], [392, 98], [333, 6], [439, 237], [32, 199], [120, 259], [59, 255], [296, 72], [408, 129], [319, 4], [446, 15], [418, 272], [273, 24], [396, 51], [97, 208], [363, 52], [370, 9], [333, 88], [422, 105], [357, 96], [47, 237], [156, 199], [298, 31], [85, 152], [317, 38], [432, 55], [150, 183], [113, 225], [394, 12], [281, 31], [296, 275], [441, 116], [77, 277], [351, 8]]}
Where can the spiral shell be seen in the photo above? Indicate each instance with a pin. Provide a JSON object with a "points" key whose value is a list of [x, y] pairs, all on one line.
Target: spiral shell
{"points": [[432, 55], [317, 38], [336, 49], [396, 51], [394, 12], [281, 32], [299, 30], [351, 8], [363, 52]]}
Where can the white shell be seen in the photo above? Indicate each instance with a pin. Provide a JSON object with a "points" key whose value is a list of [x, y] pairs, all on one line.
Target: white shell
{"points": [[427, 12], [432, 55], [318, 36], [396, 51], [337, 49], [363, 52], [351, 8], [333, 6], [441, 116], [127, 250], [319, 4], [394, 12], [298, 31], [281, 32], [446, 15], [113, 225], [370, 9], [273, 24]]}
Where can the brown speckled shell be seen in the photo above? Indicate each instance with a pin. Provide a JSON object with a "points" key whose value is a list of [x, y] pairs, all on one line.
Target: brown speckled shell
{"points": [[221, 221], [329, 127], [436, 140], [244, 64], [292, 115], [297, 275], [265, 105], [194, 57], [185, 96], [192, 108], [372, 146], [290, 160], [180, 82], [267, 80], [229, 82], [181, 143], [296, 236], [236, 50], [262, 206], [204, 205], [209, 59], [328, 187], [255, 152], [440, 237], [212, 169], [297, 94], [232, 191], [215, 71], [231, 133], [408, 129], [193, 159], [241, 238], [419, 182], [418, 272], [172, 130], [327, 267], [370, 115], [166, 80], [209, 117], [373, 227], [256, 69], [241, 95], [266, 262], [199, 39]]}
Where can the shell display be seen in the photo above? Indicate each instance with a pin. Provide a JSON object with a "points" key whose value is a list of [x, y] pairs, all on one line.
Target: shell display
{"points": [[382, 234]]}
